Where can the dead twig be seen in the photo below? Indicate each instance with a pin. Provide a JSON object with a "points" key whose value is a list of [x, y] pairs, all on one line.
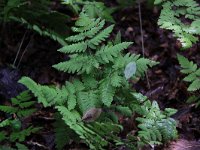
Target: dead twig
{"points": [[142, 39]]}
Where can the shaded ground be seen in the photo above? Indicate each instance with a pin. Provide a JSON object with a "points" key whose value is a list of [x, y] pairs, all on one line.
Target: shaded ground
{"points": [[165, 80]]}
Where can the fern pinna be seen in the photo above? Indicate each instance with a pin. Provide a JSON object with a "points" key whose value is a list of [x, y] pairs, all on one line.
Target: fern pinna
{"points": [[103, 71], [182, 17]]}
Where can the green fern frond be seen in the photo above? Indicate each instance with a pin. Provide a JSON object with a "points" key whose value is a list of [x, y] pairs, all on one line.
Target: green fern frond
{"points": [[26, 104], [79, 86], [8, 109], [89, 82], [63, 133], [72, 119], [87, 100], [78, 64], [107, 92], [20, 136], [21, 146], [155, 125], [103, 132], [143, 64], [98, 9], [4, 123], [22, 106], [36, 16], [188, 66], [94, 30], [116, 79], [88, 34], [92, 8], [84, 24], [100, 37], [32, 86], [107, 53], [100, 64], [26, 112], [124, 110], [74, 48], [192, 71], [22, 97], [45, 94], [194, 85], [170, 18]]}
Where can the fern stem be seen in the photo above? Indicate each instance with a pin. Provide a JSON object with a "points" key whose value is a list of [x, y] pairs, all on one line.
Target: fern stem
{"points": [[142, 40], [19, 49]]}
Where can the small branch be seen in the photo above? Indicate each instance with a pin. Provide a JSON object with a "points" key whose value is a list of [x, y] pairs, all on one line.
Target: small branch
{"points": [[19, 49], [25, 50], [142, 39], [141, 29], [37, 144]]}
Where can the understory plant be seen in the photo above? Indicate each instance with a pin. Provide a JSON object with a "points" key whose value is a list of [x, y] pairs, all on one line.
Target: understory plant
{"points": [[182, 17], [93, 8], [100, 86], [35, 15], [192, 72], [12, 132]]}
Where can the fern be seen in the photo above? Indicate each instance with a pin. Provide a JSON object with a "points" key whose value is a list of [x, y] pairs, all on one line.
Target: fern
{"points": [[171, 15], [192, 71], [194, 99], [87, 63], [103, 132], [21, 146], [87, 60], [20, 136], [14, 133], [155, 126], [101, 83], [92, 8], [71, 119], [5, 123], [63, 133], [36, 16], [22, 105]]}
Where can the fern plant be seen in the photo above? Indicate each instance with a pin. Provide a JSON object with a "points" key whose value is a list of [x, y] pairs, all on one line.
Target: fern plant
{"points": [[93, 8], [105, 65], [182, 17], [35, 15], [192, 76], [155, 125], [192, 71], [22, 105], [59, 128], [103, 72], [12, 132]]}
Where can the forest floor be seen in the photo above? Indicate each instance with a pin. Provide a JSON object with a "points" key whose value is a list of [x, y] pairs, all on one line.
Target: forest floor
{"points": [[165, 80]]}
